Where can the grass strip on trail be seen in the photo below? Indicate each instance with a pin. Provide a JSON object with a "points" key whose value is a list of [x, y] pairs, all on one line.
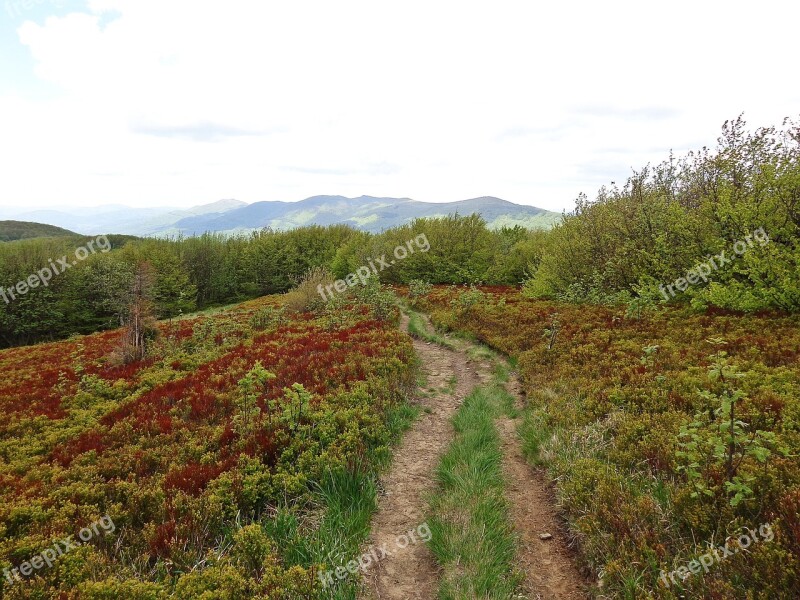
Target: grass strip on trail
{"points": [[473, 539], [418, 329]]}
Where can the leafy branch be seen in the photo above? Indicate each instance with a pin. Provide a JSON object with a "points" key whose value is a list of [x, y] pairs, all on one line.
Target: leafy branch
{"points": [[720, 439]]}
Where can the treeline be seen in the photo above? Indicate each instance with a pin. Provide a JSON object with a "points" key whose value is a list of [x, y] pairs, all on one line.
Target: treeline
{"points": [[630, 244], [669, 223], [213, 269]]}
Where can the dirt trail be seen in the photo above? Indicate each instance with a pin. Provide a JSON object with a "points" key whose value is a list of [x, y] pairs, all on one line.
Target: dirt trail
{"points": [[411, 573], [548, 565]]}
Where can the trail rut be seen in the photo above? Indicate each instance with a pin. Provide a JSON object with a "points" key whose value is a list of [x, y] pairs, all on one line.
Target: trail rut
{"points": [[548, 564], [411, 573]]}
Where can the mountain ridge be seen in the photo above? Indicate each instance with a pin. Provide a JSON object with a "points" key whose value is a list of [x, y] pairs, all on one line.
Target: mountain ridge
{"points": [[369, 213], [230, 216]]}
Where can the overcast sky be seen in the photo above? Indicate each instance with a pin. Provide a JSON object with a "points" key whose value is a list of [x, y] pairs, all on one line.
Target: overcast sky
{"points": [[173, 102]]}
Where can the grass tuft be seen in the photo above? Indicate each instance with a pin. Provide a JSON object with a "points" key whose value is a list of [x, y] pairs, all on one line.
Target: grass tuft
{"points": [[472, 536], [417, 328]]}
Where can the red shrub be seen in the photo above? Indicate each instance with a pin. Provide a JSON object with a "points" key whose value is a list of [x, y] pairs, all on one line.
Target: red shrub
{"points": [[91, 440], [193, 477], [163, 539]]}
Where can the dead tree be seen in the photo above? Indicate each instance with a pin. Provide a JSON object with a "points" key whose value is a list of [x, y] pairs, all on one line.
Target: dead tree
{"points": [[139, 321]]}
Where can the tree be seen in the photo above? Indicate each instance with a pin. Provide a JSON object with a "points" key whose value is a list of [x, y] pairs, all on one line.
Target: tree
{"points": [[139, 321]]}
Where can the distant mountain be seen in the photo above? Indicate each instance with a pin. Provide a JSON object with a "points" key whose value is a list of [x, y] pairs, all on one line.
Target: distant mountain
{"points": [[22, 230], [115, 218], [233, 216], [164, 223], [94, 220], [366, 212]]}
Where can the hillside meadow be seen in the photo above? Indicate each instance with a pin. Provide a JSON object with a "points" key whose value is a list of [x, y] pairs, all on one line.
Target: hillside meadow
{"points": [[629, 414], [238, 450], [252, 415]]}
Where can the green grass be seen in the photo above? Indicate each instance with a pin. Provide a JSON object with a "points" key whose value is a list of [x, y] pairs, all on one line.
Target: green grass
{"points": [[481, 353], [208, 311], [347, 500], [418, 329], [472, 537], [534, 432], [501, 370], [334, 530]]}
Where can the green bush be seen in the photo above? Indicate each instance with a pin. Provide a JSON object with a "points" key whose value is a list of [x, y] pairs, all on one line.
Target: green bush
{"points": [[667, 219], [418, 289]]}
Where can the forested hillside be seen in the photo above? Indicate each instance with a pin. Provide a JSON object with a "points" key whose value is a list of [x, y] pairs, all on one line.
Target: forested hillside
{"points": [[213, 269], [21, 230], [365, 213]]}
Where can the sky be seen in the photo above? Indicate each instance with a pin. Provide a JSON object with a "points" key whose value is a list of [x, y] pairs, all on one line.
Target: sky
{"points": [[181, 103]]}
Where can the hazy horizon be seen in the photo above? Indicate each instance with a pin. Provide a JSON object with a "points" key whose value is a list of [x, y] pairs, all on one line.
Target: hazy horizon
{"points": [[55, 207]]}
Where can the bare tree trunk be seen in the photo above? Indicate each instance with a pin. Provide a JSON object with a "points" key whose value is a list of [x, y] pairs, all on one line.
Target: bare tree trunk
{"points": [[140, 316]]}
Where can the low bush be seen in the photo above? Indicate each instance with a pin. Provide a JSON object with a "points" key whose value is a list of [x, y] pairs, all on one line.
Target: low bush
{"points": [[660, 443], [305, 296]]}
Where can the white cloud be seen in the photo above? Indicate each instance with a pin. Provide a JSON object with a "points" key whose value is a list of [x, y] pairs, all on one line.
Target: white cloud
{"points": [[187, 102]]}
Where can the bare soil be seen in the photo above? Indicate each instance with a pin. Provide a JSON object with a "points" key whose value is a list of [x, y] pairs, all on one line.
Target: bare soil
{"points": [[548, 564], [411, 573]]}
